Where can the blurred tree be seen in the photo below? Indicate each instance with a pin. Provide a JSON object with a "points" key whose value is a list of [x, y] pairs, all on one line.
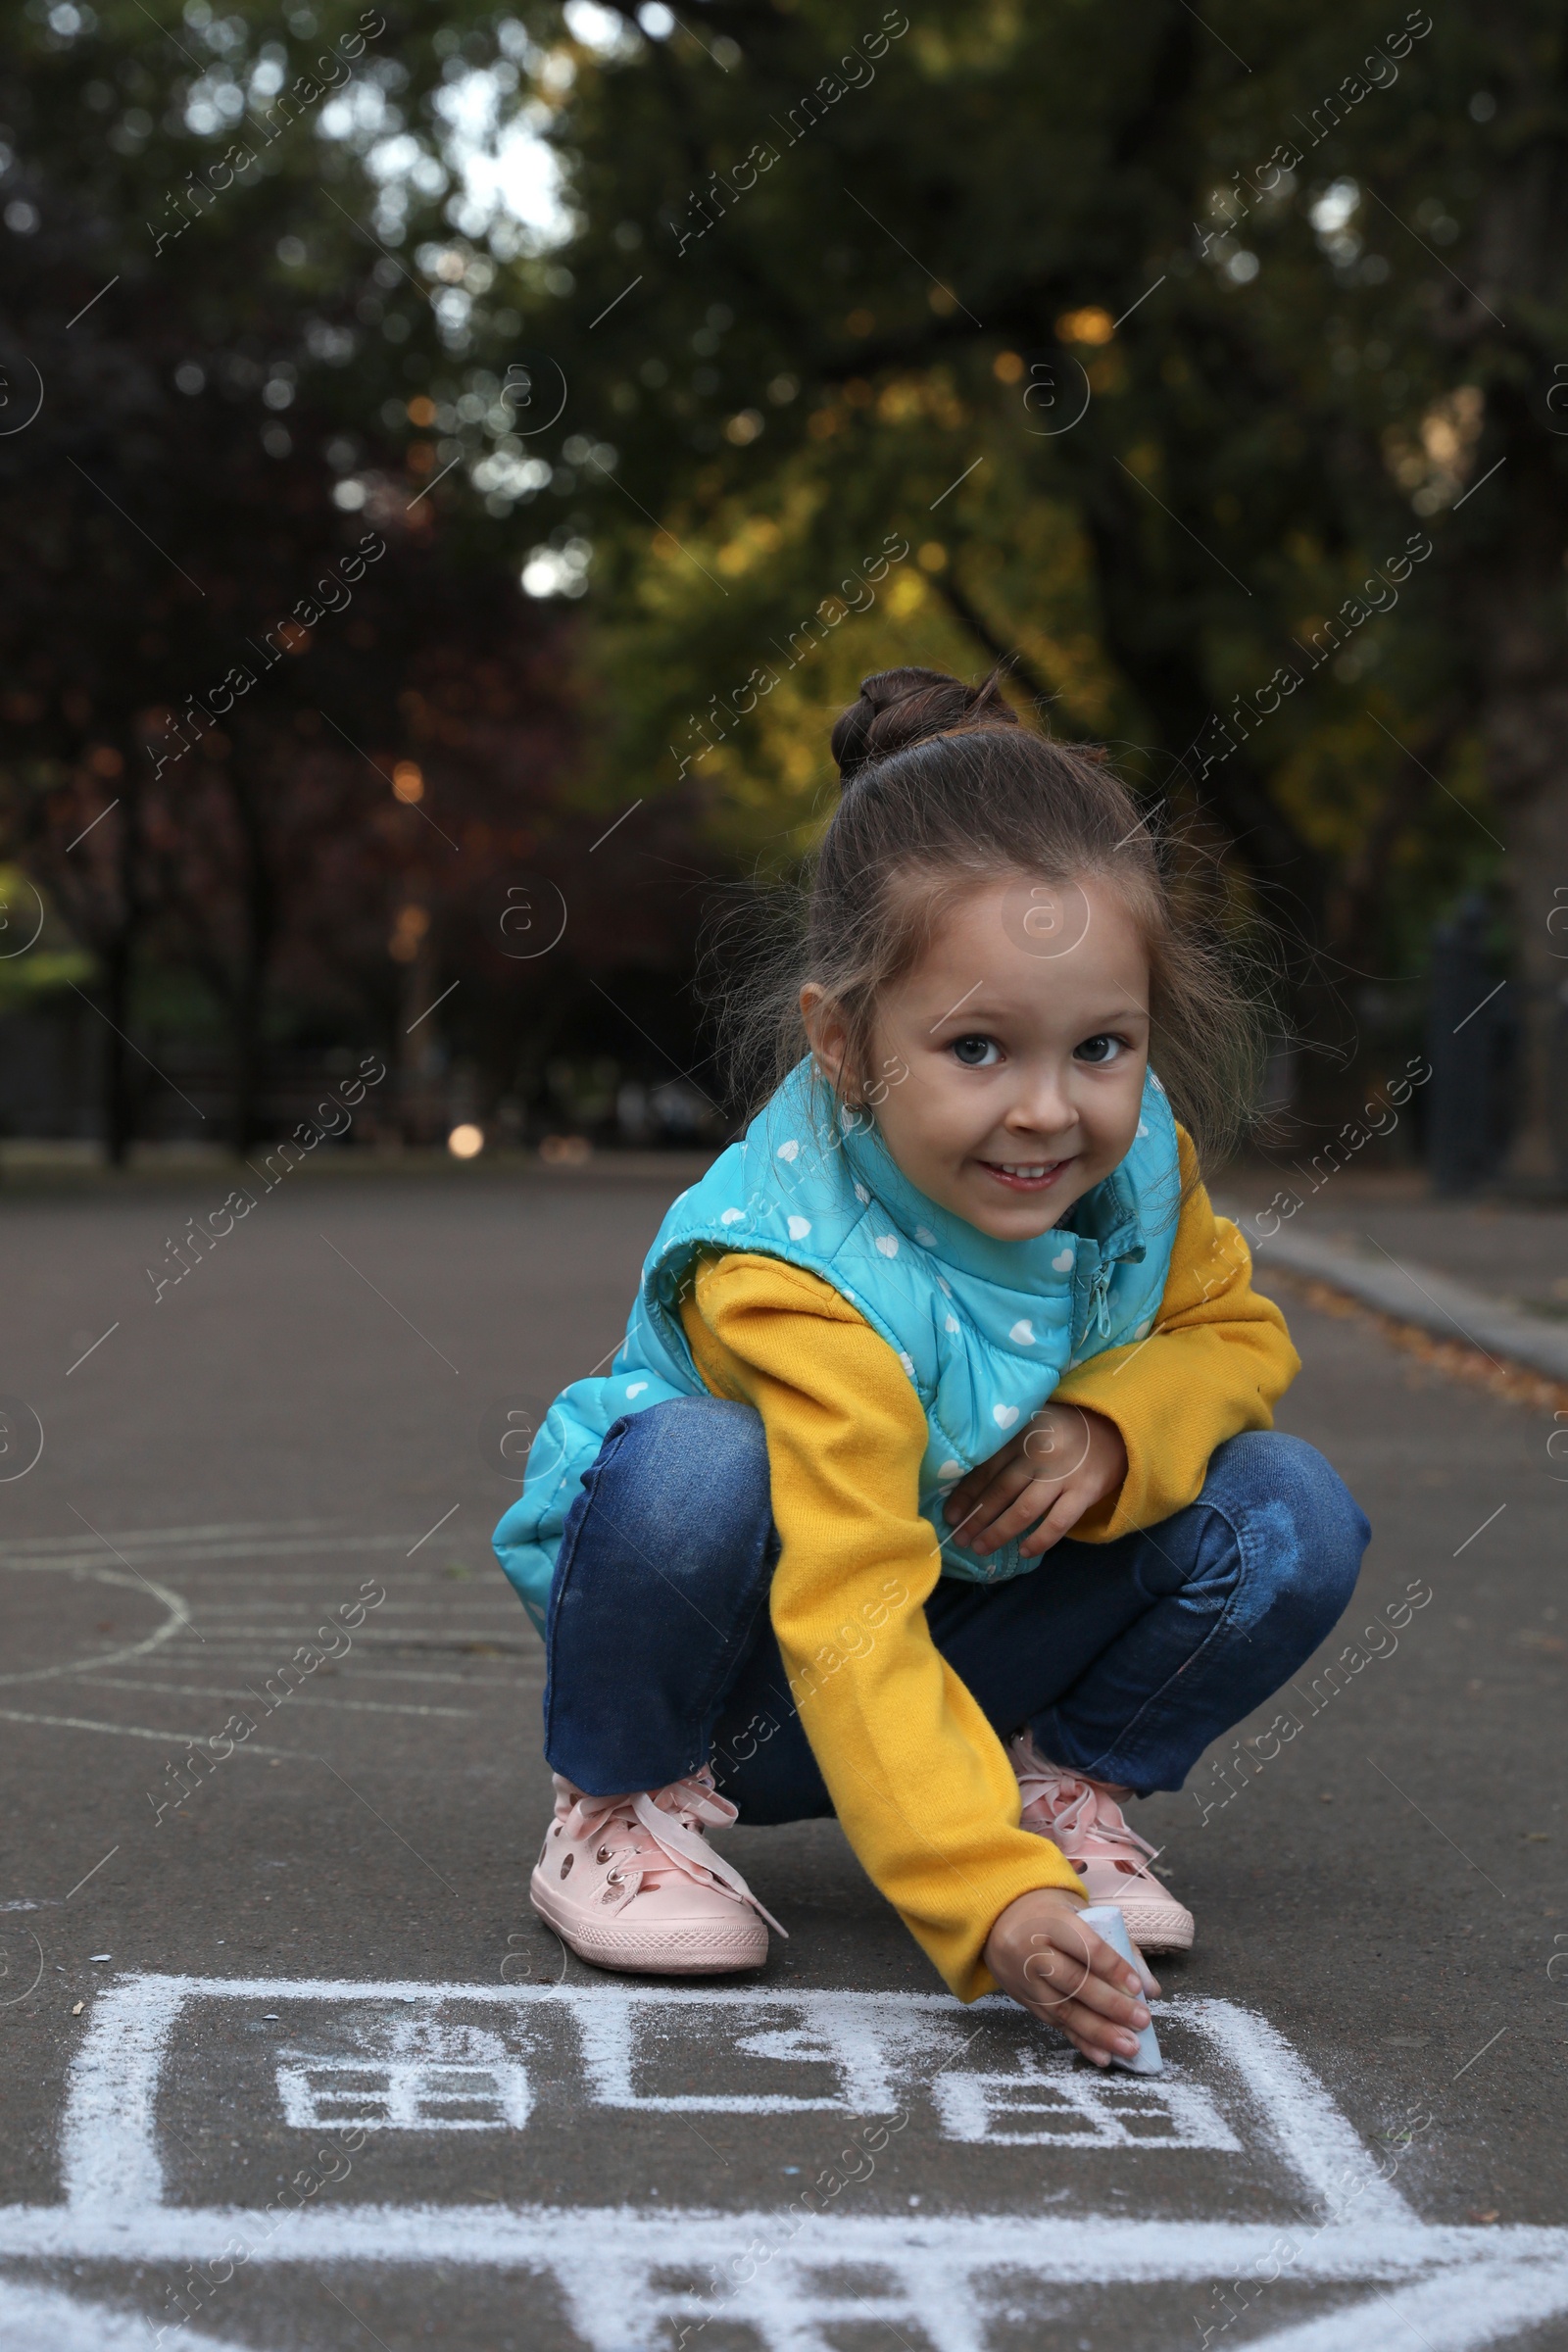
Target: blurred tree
{"points": [[1156, 337], [1205, 369], [269, 671]]}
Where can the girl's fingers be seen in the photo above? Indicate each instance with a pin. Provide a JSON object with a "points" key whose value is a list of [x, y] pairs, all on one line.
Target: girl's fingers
{"points": [[1092, 1997], [987, 1490], [967, 1490], [1051, 1979], [1096, 1982], [1059, 1520], [977, 1527], [1101, 2053], [972, 1485], [1073, 1980], [1089, 2031], [1033, 1499]]}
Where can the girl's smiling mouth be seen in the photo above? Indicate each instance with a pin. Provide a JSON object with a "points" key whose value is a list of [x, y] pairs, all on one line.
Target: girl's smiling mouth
{"points": [[1024, 1176]]}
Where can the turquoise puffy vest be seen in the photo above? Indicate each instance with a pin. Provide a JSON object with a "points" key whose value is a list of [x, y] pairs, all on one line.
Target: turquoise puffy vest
{"points": [[984, 1329]]}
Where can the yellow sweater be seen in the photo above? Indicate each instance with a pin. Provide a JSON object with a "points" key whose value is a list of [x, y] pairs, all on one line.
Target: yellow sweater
{"points": [[920, 1783]]}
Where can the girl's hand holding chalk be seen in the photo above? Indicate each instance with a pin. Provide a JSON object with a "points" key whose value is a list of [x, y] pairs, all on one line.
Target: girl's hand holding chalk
{"points": [[1065, 1975], [1060, 1466]]}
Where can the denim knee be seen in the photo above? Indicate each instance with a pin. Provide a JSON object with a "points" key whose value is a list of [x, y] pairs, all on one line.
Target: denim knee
{"points": [[1299, 1534], [663, 1570], [687, 1478]]}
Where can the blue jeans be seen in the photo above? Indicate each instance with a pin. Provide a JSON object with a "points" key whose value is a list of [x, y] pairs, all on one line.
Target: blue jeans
{"points": [[1124, 1659]]}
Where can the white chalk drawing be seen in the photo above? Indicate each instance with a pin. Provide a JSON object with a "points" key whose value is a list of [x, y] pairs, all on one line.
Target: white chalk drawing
{"points": [[419, 2074], [1060, 2106], [415, 2074], [1237, 2100], [41, 2319]]}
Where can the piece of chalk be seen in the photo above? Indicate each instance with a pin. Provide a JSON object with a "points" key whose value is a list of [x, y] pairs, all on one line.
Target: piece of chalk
{"points": [[1108, 1923]]}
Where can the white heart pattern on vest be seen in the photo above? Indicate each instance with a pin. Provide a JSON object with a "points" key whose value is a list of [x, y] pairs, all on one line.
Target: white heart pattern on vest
{"points": [[968, 1318]]}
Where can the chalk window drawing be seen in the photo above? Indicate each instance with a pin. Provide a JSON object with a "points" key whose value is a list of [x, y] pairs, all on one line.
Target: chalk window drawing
{"points": [[428, 2076], [1031, 2106]]}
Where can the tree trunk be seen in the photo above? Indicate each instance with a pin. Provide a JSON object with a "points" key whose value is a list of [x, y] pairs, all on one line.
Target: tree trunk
{"points": [[246, 1095], [1513, 603], [1525, 732], [1011, 660], [1506, 594], [119, 1095], [249, 999], [121, 1081]]}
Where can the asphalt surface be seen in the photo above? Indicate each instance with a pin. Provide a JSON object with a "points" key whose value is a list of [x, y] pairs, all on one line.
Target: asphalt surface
{"points": [[291, 2059], [1514, 1251]]}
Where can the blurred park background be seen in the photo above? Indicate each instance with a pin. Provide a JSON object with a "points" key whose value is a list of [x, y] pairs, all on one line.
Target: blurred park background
{"points": [[458, 460]]}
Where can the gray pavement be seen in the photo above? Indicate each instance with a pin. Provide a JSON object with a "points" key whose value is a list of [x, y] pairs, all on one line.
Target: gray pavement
{"points": [[1512, 1251], [292, 2060], [1485, 1273]]}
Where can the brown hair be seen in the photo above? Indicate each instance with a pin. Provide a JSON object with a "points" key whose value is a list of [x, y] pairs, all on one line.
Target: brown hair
{"points": [[945, 790]]}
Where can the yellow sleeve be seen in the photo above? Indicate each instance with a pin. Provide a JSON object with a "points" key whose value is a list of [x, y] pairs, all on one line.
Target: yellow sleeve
{"points": [[920, 1782], [1217, 1361]]}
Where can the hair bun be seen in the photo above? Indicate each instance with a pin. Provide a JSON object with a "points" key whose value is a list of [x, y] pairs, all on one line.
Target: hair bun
{"points": [[901, 707]]}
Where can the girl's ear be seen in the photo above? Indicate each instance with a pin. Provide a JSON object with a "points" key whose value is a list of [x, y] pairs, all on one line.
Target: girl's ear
{"points": [[828, 1035]]}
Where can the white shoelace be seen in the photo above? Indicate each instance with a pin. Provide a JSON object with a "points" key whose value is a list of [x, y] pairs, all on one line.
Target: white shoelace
{"points": [[680, 1845]]}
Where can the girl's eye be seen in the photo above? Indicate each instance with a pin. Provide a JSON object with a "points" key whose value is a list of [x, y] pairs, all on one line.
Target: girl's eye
{"points": [[1100, 1049], [976, 1052]]}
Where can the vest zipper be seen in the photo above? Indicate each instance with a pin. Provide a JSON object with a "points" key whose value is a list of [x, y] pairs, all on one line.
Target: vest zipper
{"points": [[1097, 1301]]}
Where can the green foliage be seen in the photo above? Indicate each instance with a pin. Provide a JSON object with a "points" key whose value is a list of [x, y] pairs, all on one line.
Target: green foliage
{"points": [[1133, 343], [37, 956], [1271, 249]]}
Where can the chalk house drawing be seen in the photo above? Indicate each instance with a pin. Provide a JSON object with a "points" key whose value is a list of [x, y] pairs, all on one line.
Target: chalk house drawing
{"points": [[1237, 2096]]}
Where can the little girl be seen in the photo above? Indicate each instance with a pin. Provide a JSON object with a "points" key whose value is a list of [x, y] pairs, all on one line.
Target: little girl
{"points": [[934, 1484]]}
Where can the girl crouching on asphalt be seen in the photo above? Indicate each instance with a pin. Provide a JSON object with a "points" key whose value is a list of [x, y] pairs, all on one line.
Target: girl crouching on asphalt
{"points": [[934, 1484]]}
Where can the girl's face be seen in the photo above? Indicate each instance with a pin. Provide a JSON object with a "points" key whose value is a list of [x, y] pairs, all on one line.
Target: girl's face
{"points": [[1008, 1064]]}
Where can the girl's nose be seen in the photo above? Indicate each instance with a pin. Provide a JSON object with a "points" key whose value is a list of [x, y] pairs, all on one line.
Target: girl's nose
{"points": [[1042, 1110]]}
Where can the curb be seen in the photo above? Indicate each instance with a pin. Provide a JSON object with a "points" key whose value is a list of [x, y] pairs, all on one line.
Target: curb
{"points": [[1417, 1295]]}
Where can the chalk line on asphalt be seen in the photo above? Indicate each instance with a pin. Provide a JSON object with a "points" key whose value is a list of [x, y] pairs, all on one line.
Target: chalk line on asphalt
{"points": [[408, 2056]]}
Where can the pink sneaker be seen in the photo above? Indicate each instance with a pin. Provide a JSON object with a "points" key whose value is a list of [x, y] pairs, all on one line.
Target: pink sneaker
{"points": [[1084, 1819], [631, 1881]]}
